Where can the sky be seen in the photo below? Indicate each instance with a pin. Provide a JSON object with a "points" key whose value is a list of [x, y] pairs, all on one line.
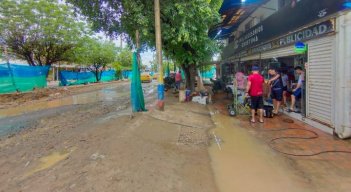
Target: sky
{"points": [[146, 56]]}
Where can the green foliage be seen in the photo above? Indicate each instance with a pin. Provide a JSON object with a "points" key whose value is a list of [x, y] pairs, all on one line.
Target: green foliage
{"points": [[39, 31], [95, 54], [184, 24], [123, 61], [124, 57]]}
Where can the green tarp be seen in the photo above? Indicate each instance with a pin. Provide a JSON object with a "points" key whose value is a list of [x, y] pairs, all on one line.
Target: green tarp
{"points": [[22, 78], [137, 95]]}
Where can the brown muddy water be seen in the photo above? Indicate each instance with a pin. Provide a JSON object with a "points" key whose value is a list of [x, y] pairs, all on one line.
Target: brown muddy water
{"points": [[243, 164], [25, 116]]}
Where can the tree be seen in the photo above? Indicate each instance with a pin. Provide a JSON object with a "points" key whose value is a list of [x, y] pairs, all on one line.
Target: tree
{"points": [[185, 26], [123, 61], [95, 54], [39, 31], [125, 58]]}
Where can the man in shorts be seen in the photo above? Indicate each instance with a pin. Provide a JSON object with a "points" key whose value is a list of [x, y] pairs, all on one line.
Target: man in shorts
{"points": [[297, 92], [285, 80], [255, 90], [276, 84], [178, 80]]}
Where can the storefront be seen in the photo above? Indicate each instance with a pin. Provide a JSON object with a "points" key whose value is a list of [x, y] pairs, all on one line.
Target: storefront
{"points": [[323, 61]]}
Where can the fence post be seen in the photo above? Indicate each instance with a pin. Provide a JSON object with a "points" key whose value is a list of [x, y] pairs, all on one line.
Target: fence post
{"points": [[9, 67]]}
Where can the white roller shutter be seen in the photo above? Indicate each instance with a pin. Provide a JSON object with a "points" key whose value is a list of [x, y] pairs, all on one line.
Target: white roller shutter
{"points": [[320, 80], [281, 52]]}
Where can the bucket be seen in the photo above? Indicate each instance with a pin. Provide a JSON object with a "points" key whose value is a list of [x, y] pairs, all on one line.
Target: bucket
{"points": [[268, 111], [182, 96]]}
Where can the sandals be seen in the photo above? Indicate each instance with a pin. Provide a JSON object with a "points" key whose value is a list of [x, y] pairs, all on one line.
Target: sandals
{"points": [[289, 111], [251, 121]]}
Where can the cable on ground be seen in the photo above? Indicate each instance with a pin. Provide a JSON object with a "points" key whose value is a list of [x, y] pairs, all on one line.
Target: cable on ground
{"points": [[314, 136]]}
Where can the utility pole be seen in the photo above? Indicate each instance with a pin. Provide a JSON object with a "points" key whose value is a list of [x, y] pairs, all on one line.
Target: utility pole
{"points": [[160, 86]]}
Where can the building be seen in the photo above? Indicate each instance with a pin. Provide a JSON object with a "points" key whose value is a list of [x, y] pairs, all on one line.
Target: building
{"points": [[312, 34]]}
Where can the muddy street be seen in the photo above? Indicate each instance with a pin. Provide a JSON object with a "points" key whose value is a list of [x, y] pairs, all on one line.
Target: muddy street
{"points": [[89, 142], [111, 98]]}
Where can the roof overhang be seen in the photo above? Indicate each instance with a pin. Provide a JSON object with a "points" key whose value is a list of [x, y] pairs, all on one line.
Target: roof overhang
{"points": [[233, 12]]}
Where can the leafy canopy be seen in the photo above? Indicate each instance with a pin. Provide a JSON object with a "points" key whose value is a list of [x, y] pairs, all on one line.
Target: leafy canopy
{"points": [[95, 54], [92, 51], [184, 26], [124, 57], [39, 31], [184, 23]]}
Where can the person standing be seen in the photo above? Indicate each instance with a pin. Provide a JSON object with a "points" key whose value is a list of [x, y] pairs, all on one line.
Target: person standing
{"points": [[178, 79], [297, 92], [276, 89], [285, 80], [240, 85], [255, 90]]}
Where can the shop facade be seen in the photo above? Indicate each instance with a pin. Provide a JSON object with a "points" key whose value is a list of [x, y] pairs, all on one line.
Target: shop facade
{"points": [[325, 29]]}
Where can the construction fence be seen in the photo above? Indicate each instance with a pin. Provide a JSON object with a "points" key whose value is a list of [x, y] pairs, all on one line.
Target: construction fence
{"points": [[22, 78], [76, 78]]}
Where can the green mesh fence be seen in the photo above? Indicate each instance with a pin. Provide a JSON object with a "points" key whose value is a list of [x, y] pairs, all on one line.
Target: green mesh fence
{"points": [[21, 78]]}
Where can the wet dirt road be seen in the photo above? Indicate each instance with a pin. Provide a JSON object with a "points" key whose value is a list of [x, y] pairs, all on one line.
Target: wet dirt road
{"points": [[93, 144], [27, 115]]}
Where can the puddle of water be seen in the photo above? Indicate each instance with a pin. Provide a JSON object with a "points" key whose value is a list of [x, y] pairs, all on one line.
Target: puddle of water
{"points": [[49, 161], [241, 163], [107, 94]]}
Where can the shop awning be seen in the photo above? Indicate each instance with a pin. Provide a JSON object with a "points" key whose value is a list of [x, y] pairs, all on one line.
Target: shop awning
{"points": [[233, 13]]}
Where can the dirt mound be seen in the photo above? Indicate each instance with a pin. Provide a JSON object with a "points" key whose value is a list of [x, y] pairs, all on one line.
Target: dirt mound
{"points": [[14, 99]]}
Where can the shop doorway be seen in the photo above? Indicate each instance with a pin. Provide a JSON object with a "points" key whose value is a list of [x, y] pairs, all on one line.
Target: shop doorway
{"points": [[286, 65]]}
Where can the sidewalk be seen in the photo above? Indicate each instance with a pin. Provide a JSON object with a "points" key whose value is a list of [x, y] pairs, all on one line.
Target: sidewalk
{"points": [[323, 172]]}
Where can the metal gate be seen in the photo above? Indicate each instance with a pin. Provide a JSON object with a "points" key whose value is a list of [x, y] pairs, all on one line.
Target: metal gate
{"points": [[281, 52], [320, 80]]}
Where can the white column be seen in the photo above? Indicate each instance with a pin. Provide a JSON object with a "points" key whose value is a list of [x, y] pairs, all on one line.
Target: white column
{"points": [[343, 77]]}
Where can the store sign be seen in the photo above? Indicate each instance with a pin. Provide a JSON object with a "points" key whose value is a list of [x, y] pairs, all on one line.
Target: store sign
{"points": [[286, 20], [250, 38], [305, 34], [300, 47], [308, 33]]}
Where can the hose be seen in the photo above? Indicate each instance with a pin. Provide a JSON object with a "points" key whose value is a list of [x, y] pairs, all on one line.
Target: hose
{"points": [[315, 136]]}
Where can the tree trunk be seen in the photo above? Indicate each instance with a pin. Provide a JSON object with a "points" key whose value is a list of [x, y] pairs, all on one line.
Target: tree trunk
{"points": [[97, 75], [189, 71], [137, 43], [96, 72]]}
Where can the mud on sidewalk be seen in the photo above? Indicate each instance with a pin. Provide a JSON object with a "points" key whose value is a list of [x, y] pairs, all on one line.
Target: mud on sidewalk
{"points": [[154, 151], [254, 155]]}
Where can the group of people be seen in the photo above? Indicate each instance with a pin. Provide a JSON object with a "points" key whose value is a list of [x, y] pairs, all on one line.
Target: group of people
{"points": [[278, 83], [279, 88]]}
